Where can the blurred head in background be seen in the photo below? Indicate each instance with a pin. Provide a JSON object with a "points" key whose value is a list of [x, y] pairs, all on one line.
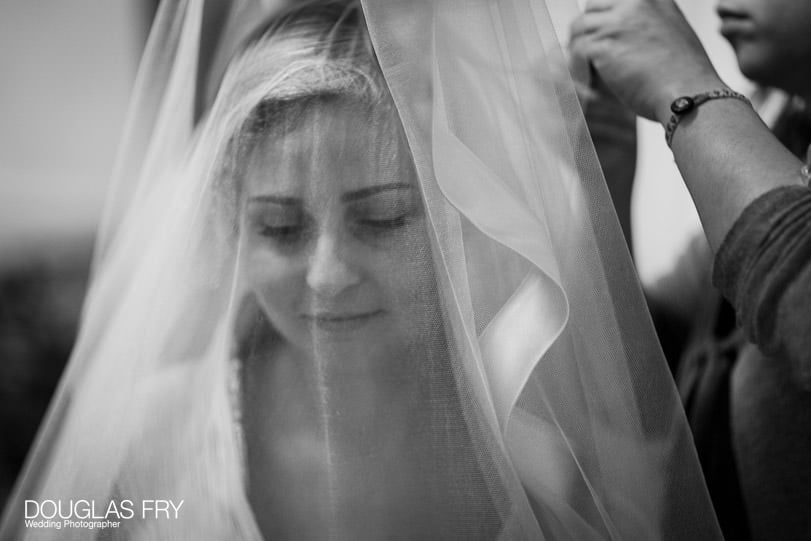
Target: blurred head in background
{"points": [[771, 41]]}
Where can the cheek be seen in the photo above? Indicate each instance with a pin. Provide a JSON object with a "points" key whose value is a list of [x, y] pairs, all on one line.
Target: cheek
{"points": [[276, 280], [782, 37], [408, 277]]}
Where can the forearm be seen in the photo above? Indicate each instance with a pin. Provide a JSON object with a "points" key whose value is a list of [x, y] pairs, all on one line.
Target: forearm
{"points": [[647, 54], [764, 268], [728, 158], [733, 166]]}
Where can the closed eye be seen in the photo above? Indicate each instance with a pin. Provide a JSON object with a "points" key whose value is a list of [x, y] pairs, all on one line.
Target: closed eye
{"points": [[275, 231], [387, 223], [284, 234]]}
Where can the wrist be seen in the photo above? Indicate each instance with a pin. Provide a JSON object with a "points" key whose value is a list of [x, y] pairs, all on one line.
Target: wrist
{"points": [[685, 88], [685, 107]]}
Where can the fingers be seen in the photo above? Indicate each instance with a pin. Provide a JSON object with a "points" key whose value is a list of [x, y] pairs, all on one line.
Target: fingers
{"points": [[592, 36], [596, 6], [592, 23], [578, 27], [583, 45]]}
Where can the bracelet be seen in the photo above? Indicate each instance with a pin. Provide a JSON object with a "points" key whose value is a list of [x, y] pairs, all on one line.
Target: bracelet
{"points": [[682, 106]]}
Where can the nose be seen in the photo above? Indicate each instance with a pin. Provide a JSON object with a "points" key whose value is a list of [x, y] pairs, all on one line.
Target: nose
{"points": [[330, 271]]}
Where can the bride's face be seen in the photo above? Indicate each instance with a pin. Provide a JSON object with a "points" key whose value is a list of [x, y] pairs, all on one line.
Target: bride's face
{"points": [[334, 237]]}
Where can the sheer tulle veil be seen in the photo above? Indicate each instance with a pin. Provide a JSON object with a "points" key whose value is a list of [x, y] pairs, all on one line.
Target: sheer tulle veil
{"points": [[359, 277]]}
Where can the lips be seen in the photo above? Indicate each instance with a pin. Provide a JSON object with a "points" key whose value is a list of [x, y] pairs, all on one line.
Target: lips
{"points": [[727, 12], [735, 23], [338, 321]]}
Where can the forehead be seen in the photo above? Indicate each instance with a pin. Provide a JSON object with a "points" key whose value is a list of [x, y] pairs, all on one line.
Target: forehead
{"points": [[331, 147]]}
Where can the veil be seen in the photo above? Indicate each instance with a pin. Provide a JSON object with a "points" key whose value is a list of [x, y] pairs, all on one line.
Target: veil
{"points": [[360, 278]]}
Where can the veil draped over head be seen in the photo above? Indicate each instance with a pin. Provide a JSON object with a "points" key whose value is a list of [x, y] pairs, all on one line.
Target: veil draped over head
{"points": [[360, 278]]}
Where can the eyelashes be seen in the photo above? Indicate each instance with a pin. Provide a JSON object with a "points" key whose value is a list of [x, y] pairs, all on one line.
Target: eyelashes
{"points": [[286, 223], [375, 231], [298, 231], [385, 223], [282, 234], [379, 217]]}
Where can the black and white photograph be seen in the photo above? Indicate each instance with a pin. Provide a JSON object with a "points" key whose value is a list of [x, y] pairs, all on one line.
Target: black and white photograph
{"points": [[405, 269]]}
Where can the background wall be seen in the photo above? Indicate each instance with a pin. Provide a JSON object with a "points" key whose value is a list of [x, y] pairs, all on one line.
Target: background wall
{"points": [[66, 69]]}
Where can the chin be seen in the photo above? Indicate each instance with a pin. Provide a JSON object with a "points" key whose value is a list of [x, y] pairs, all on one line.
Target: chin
{"points": [[762, 67]]}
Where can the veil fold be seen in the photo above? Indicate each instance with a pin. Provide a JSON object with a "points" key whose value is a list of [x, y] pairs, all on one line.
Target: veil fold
{"points": [[525, 395], [571, 357]]}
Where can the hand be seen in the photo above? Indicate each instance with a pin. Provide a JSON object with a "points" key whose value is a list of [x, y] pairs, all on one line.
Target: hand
{"points": [[645, 52]]}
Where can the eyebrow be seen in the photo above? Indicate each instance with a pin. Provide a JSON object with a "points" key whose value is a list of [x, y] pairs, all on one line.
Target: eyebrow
{"points": [[345, 198], [372, 190]]}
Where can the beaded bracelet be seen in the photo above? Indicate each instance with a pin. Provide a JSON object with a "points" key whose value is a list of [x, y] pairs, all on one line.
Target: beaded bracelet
{"points": [[684, 105]]}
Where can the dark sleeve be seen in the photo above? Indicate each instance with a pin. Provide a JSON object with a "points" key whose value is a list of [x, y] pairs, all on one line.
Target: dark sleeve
{"points": [[764, 269]]}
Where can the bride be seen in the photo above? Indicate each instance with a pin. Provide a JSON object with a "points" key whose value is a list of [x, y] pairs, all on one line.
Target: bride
{"points": [[377, 292], [352, 425]]}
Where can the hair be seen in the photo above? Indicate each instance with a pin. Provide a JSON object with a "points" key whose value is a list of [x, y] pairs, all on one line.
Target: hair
{"points": [[317, 53], [314, 52]]}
